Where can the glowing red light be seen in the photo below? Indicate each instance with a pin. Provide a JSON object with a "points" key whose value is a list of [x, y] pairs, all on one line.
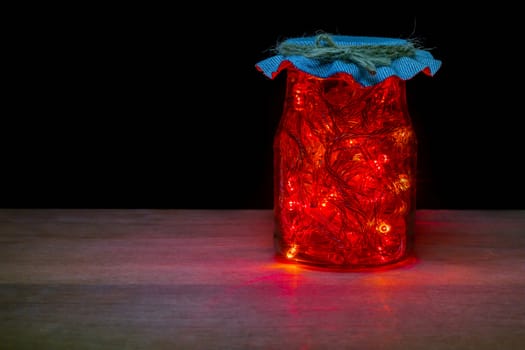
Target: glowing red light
{"points": [[345, 164]]}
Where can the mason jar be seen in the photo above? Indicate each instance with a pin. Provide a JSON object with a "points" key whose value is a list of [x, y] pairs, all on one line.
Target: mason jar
{"points": [[345, 151]]}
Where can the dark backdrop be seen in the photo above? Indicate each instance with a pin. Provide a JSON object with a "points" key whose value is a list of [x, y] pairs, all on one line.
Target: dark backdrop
{"points": [[163, 107]]}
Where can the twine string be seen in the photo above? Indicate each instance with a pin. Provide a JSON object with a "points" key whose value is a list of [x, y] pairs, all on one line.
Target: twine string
{"points": [[368, 57]]}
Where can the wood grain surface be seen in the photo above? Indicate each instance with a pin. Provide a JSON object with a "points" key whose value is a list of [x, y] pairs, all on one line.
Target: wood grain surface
{"points": [[208, 279]]}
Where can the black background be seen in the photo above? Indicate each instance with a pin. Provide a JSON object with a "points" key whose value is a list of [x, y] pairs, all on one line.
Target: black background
{"points": [[163, 108]]}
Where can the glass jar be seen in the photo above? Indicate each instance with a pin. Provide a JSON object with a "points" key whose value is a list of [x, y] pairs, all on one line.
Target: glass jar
{"points": [[345, 156]]}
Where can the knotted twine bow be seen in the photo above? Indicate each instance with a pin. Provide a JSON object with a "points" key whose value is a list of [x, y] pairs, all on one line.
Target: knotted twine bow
{"points": [[368, 57]]}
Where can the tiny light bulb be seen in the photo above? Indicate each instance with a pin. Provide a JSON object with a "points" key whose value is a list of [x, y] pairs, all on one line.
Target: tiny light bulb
{"points": [[291, 252], [383, 228]]}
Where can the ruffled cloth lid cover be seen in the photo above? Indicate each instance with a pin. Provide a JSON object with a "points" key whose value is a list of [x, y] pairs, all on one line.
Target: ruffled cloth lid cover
{"points": [[405, 67]]}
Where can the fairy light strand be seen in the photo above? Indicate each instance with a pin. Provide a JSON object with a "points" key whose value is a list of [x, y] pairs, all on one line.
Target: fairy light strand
{"points": [[344, 171]]}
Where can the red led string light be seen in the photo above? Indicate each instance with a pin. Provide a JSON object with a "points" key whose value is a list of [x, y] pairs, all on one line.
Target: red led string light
{"points": [[345, 164]]}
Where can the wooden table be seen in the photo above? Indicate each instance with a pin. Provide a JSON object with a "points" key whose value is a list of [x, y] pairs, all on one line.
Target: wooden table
{"points": [[208, 279]]}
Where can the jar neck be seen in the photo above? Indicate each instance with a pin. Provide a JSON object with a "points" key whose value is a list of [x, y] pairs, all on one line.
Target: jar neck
{"points": [[340, 96], [342, 86]]}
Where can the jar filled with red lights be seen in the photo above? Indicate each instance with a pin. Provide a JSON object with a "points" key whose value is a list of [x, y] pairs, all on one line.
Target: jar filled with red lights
{"points": [[345, 150]]}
